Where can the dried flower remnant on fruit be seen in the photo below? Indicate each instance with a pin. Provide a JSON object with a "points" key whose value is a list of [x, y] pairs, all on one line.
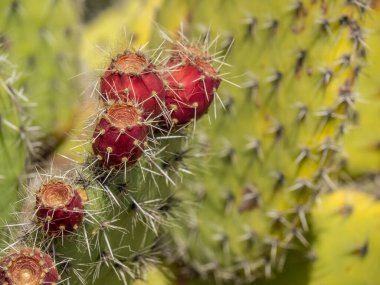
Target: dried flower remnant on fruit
{"points": [[28, 266], [59, 207], [131, 77], [119, 136]]}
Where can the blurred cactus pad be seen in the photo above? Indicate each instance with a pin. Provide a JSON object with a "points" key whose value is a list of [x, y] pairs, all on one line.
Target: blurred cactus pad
{"points": [[277, 141], [15, 136], [39, 59], [43, 41], [344, 250]]}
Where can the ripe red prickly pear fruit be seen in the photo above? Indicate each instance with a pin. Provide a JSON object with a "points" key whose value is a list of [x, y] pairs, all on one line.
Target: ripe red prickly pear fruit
{"points": [[120, 135], [132, 77], [59, 207], [191, 84], [28, 266]]}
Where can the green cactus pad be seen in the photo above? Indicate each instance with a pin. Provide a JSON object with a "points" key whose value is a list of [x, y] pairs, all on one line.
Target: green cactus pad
{"points": [[15, 140], [43, 41], [362, 143], [345, 248], [277, 143]]}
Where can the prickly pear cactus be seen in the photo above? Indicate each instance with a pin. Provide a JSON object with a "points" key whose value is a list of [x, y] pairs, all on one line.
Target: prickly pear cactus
{"points": [[43, 41], [276, 142], [15, 136], [102, 219]]}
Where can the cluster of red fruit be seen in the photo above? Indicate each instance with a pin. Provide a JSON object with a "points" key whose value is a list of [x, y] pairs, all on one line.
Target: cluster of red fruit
{"points": [[138, 95]]}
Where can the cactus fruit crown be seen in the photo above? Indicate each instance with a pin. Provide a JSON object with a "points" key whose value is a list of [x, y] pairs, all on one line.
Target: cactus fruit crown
{"points": [[195, 55], [132, 77], [55, 194], [191, 82], [129, 63], [123, 116], [28, 266]]}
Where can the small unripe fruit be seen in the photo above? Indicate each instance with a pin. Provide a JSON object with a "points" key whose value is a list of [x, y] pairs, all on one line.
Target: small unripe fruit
{"points": [[119, 136], [132, 78], [28, 266], [59, 207], [191, 84]]}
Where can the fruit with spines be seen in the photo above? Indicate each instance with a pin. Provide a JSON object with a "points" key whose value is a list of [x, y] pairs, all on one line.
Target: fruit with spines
{"points": [[132, 77], [120, 135], [59, 207], [191, 83], [122, 214], [28, 266], [125, 202], [278, 144]]}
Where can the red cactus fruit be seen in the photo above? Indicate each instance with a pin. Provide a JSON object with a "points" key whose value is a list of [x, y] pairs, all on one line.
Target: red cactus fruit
{"points": [[120, 135], [132, 78], [59, 207], [191, 84], [28, 266]]}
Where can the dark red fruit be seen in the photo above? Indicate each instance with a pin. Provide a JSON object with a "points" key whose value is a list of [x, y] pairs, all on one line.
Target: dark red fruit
{"points": [[191, 84], [132, 78], [120, 136], [28, 266], [59, 207]]}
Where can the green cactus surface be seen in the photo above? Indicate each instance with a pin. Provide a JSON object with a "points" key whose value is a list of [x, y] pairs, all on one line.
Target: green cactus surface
{"points": [[15, 140], [43, 40], [277, 143], [345, 246], [344, 249], [362, 143]]}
